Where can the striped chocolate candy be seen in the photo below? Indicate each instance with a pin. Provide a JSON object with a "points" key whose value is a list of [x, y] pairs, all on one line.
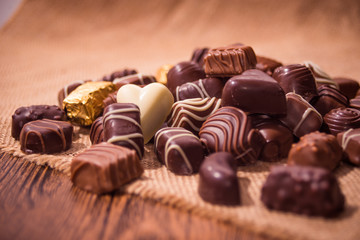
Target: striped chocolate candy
{"points": [[191, 113], [137, 79], [121, 123], [230, 130]]}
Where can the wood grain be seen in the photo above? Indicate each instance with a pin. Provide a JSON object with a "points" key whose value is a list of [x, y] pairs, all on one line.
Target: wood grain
{"points": [[39, 203]]}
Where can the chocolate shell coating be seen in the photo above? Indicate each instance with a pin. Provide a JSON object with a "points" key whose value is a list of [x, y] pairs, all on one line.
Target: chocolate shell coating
{"points": [[97, 131], [23, 115], [192, 113], [137, 79], [301, 117], [347, 86], [183, 72], [202, 88], [328, 99], [350, 143], [267, 65], [122, 127], [316, 149], [105, 167], [341, 119], [218, 182], [321, 77], [278, 138], [230, 130], [303, 190], [355, 102], [179, 149], [298, 79], [198, 55], [111, 98], [254, 92], [118, 74], [229, 61], [46, 136]]}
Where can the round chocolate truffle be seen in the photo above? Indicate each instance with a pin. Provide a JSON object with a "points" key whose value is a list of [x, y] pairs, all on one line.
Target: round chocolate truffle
{"points": [[341, 119]]}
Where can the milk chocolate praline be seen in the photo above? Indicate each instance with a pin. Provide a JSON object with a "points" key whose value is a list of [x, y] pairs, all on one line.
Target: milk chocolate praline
{"points": [[341, 119], [350, 143], [218, 182]]}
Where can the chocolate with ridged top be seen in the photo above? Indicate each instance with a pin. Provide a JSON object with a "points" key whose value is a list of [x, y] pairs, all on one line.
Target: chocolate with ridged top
{"points": [[198, 55], [137, 79], [303, 190], [229, 61], [46, 136], [298, 79], [341, 119], [119, 74], [229, 130], [104, 168], [97, 131], [23, 115], [267, 65], [350, 143], [218, 182], [179, 149], [255, 92], [278, 137], [328, 99], [301, 117], [183, 72], [202, 88], [316, 149], [122, 126], [191, 113], [347, 86]]}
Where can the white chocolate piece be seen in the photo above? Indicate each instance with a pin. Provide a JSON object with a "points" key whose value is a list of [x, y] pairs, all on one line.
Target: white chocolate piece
{"points": [[154, 100]]}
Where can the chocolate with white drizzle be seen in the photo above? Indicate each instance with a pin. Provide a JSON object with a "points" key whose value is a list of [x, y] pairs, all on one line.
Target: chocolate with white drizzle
{"points": [[46, 136], [321, 77], [179, 149], [121, 122], [191, 113], [202, 88], [97, 131], [301, 117], [350, 143], [137, 79], [229, 130]]}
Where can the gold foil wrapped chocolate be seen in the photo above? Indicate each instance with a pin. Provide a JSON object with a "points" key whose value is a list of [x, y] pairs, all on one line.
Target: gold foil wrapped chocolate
{"points": [[85, 103], [161, 74]]}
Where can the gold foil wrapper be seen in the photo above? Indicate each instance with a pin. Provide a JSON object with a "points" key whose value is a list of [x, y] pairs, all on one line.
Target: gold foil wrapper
{"points": [[85, 103], [161, 74]]}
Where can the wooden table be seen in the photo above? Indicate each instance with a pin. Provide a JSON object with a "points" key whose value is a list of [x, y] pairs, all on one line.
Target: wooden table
{"points": [[37, 202]]}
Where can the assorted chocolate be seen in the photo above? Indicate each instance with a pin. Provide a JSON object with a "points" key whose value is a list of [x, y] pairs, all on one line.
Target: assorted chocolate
{"points": [[225, 108], [46, 136], [23, 115], [179, 149], [316, 149], [105, 167], [229, 130], [121, 123], [254, 92], [303, 190], [218, 181]]}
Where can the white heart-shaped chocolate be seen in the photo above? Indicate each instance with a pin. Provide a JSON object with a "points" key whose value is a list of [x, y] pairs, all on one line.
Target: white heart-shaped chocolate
{"points": [[154, 100]]}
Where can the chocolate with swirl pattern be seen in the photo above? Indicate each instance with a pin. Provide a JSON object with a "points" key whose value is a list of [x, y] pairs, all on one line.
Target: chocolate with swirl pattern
{"points": [[179, 149], [350, 143], [122, 126], [341, 119], [191, 113], [202, 88], [229, 61], [46, 136], [230, 130], [298, 79], [97, 131], [105, 167]]}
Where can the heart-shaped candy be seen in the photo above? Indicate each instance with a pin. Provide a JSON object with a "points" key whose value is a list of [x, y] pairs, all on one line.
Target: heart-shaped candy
{"points": [[154, 100]]}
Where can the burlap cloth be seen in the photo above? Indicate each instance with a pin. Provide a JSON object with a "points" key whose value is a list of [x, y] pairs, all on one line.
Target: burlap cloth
{"points": [[52, 43]]}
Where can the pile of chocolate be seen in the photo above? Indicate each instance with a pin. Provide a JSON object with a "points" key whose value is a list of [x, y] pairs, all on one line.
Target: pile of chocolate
{"points": [[225, 108]]}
